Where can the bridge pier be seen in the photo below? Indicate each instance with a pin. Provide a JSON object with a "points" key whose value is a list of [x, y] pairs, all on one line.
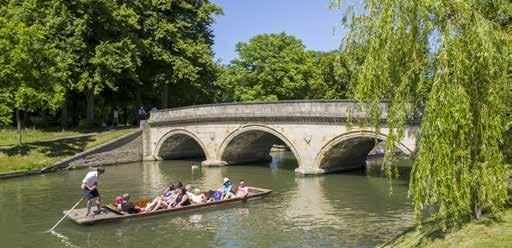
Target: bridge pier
{"points": [[309, 171], [149, 158], [214, 163]]}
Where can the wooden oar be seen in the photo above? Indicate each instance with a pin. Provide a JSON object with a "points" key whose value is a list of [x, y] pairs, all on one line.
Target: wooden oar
{"points": [[66, 214]]}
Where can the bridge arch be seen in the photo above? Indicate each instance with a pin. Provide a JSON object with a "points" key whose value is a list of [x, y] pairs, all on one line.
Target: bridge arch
{"points": [[252, 143], [350, 150], [179, 144]]}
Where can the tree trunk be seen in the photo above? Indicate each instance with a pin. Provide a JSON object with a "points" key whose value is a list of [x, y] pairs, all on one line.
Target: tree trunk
{"points": [[44, 118], [102, 116], [476, 210], [90, 105], [164, 99], [76, 109], [26, 119], [64, 114], [125, 117], [138, 98], [18, 122]]}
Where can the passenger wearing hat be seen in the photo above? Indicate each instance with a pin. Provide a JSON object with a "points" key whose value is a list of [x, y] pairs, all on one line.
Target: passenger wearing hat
{"points": [[225, 189], [90, 189]]}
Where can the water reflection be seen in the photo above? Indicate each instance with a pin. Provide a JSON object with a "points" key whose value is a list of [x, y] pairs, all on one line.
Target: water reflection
{"points": [[152, 176], [308, 202], [335, 210], [212, 178]]}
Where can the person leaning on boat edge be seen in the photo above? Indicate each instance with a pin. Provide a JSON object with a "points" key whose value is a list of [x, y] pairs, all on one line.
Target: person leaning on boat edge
{"points": [[225, 189], [130, 207], [90, 189], [242, 191], [163, 201], [182, 198]]}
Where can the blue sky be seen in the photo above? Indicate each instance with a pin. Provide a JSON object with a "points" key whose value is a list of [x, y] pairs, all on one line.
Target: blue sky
{"points": [[309, 20]]}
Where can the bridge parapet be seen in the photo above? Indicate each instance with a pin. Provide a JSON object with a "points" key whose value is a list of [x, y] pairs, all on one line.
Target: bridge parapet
{"points": [[323, 135], [304, 110]]}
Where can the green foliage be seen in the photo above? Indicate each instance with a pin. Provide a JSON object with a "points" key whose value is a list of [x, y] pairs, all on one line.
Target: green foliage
{"points": [[451, 59], [335, 75], [31, 69], [277, 67], [177, 45], [507, 146], [52, 48], [97, 37], [270, 67]]}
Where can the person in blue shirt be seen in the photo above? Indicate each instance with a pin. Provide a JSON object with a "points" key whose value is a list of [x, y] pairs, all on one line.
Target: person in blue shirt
{"points": [[226, 188]]}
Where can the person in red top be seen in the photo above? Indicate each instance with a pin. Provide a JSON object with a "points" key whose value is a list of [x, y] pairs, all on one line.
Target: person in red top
{"points": [[242, 191]]}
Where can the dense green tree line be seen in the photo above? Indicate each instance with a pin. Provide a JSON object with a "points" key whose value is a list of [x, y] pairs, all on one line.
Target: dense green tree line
{"points": [[452, 61], [56, 55], [74, 61], [278, 67]]}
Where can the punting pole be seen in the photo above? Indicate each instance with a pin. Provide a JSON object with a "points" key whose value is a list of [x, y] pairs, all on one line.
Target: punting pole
{"points": [[66, 214]]}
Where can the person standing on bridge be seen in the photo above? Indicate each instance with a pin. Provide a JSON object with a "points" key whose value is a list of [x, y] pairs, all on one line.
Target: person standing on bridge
{"points": [[142, 114], [90, 189]]}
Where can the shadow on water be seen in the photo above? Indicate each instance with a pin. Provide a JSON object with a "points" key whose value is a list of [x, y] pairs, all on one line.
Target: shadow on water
{"points": [[282, 160], [374, 169]]}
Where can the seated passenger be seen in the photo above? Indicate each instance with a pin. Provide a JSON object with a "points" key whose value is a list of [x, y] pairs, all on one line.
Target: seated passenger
{"points": [[119, 200], [210, 195], [196, 197], [162, 201], [181, 199], [217, 196], [225, 189], [242, 191], [129, 207]]}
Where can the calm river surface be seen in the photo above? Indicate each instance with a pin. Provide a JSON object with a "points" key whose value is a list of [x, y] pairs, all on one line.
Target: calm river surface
{"points": [[335, 210]]}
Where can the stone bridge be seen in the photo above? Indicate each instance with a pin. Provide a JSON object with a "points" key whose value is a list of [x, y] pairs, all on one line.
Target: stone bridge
{"points": [[322, 135]]}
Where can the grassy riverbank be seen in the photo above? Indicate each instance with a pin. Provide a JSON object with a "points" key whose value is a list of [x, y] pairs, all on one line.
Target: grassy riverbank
{"points": [[482, 233], [42, 148], [477, 234]]}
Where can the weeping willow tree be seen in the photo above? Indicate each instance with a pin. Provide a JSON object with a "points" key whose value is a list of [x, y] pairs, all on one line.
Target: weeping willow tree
{"points": [[450, 61]]}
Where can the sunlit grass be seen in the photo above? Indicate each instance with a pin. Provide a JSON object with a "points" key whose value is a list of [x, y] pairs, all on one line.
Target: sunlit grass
{"points": [[41, 150], [8, 136], [482, 233], [477, 234]]}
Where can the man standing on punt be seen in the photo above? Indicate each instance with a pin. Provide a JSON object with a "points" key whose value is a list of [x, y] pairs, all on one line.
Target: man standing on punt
{"points": [[90, 188]]}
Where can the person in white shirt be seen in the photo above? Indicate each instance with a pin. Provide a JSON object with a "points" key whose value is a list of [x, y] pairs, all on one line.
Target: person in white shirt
{"points": [[195, 197], [115, 120], [90, 189]]}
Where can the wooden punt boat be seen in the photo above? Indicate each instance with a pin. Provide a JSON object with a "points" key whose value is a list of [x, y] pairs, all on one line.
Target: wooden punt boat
{"points": [[112, 214]]}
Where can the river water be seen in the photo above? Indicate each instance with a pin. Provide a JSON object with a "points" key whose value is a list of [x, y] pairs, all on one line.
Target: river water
{"points": [[335, 210]]}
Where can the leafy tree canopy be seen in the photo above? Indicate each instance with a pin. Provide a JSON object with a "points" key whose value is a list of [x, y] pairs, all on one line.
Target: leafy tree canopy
{"points": [[31, 69], [450, 60], [270, 67], [92, 46], [334, 75]]}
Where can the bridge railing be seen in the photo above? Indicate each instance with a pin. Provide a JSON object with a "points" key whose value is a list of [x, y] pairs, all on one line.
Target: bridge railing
{"points": [[305, 110]]}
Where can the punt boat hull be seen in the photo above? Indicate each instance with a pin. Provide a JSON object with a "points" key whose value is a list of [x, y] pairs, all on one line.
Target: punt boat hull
{"points": [[111, 215]]}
